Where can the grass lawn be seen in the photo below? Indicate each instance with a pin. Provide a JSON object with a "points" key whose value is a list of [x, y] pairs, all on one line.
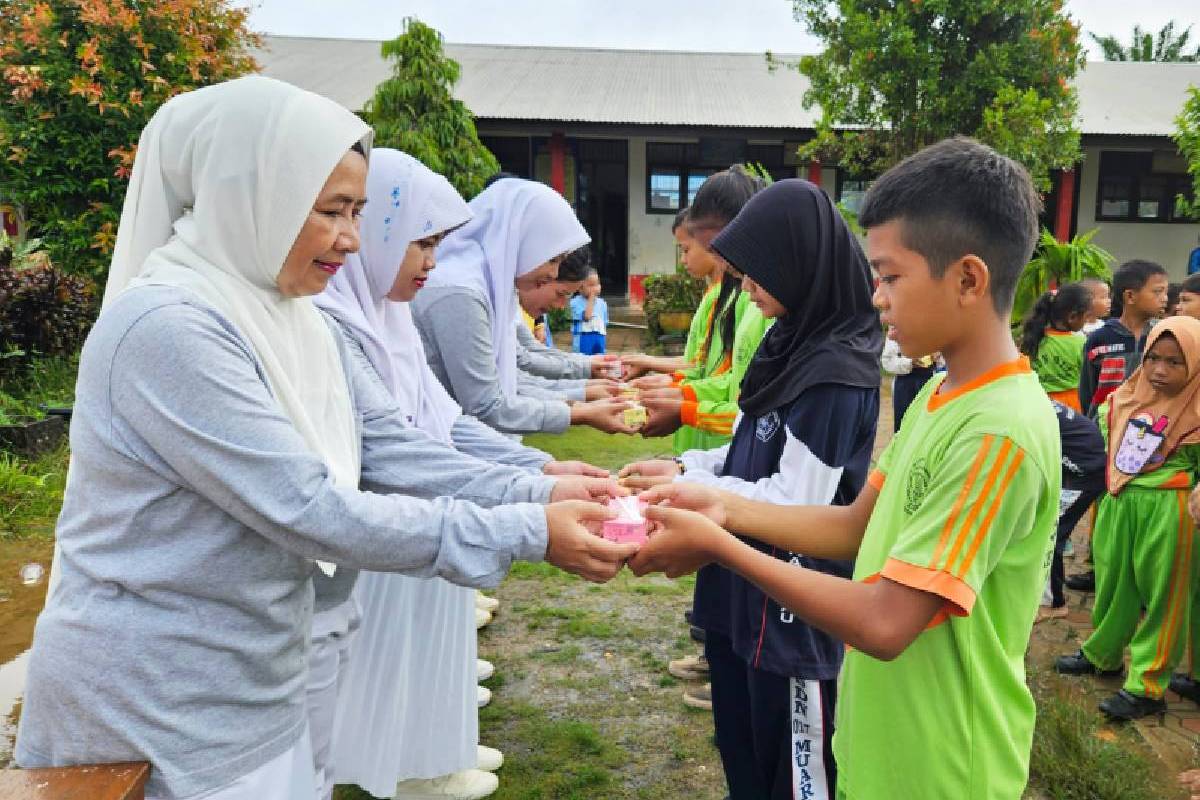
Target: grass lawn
{"points": [[583, 706]]}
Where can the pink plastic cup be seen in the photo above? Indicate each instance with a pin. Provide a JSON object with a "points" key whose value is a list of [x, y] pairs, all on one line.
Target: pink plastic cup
{"points": [[625, 528]]}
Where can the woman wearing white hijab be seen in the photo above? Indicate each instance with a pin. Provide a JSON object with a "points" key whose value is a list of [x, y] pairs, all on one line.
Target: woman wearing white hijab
{"points": [[407, 708], [466, 315], [220, 435]]}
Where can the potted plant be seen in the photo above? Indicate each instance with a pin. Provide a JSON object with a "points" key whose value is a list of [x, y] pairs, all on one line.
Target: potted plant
{"points": [[1055, 263], [671, 300]]}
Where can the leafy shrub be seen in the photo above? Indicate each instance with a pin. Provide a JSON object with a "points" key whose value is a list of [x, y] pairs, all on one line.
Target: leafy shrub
{"points": [[80, 79], [43, 312], [1056, 262]]}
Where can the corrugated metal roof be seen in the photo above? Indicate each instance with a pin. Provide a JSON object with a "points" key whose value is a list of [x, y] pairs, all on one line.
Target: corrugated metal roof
{"points": [[677, 88]]}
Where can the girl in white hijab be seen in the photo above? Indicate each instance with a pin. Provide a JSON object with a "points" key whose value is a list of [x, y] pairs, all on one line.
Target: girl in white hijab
{"points": [[407, 708], [216, 455], [467, 313]]}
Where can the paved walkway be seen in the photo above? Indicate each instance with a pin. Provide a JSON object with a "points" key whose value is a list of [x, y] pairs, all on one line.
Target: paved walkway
{"points": [[1177, 737]]}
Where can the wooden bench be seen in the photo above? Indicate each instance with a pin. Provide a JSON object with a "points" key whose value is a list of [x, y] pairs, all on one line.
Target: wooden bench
{"points": [[90, 782]]}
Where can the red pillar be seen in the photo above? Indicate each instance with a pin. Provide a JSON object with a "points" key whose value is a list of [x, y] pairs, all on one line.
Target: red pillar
{"points": [[558, 162], [814, 172], [1066, 205]]}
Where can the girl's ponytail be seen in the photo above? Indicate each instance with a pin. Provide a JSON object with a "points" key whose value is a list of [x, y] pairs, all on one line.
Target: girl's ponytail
{"points": [[1033, 330], [1053, 310], [717, 202]]}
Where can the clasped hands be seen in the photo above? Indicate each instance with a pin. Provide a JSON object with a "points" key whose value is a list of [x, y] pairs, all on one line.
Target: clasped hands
{"points": [[685, 531]]}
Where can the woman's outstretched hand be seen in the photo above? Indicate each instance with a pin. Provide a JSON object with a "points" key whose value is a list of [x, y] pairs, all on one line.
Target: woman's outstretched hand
{"points": [[581, 487], [603, 415], [573, 468], [603, 363], [573, 547], [599, 388]]}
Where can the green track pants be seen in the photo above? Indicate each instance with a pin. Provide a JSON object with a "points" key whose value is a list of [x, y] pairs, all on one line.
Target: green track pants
{"points": [[1144, 582]]}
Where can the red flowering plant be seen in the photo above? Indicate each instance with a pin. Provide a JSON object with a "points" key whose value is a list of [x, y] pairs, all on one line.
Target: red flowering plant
{"points": [[80, 79]]}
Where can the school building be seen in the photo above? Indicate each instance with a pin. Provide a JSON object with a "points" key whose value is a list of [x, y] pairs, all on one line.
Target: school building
{"points": [[629, 135]]}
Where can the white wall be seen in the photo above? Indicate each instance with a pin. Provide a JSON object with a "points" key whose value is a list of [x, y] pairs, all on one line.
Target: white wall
{"points": [[651, 245], [1166, 243]]}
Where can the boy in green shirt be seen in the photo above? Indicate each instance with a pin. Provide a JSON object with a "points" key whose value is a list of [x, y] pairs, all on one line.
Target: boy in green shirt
{"points": [[953, 535]]}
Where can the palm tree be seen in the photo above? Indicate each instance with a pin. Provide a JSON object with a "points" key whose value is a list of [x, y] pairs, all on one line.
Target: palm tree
{"points": [[1146, 46]]}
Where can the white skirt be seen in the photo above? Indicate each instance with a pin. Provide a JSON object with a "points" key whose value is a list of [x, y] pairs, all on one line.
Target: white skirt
{"points": [[408, 708]]}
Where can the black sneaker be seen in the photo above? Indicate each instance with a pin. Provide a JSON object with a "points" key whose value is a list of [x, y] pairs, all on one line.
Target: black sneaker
{"points": [[687, 617], [697, 634], [1125, 706], [1082, 581], [1186, 686], [1078, 664]]}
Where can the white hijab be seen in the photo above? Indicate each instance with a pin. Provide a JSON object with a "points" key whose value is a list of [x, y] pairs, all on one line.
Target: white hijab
{"points": [[406, 201], [518, 226], [224, 179]]}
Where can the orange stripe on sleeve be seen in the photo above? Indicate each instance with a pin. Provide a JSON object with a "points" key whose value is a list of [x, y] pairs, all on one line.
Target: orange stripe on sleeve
{"points": [[959, 597], [687, 413], [977, 507], [986, 525], [876, 479], [689, 393], [960, 501]]}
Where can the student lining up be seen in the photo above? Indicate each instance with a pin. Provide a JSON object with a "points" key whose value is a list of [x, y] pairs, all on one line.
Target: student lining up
{"points": [[952, 535], [698, 403], [809, 405], [1051, 339]]}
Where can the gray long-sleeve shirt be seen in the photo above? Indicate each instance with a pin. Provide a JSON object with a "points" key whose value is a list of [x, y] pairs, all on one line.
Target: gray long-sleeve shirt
{"points": [[563, 389], [456, 329], [193, 514], [537, 359]]}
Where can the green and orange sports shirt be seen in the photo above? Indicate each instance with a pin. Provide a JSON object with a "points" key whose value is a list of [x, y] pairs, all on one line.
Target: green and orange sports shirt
{"points": [[968, 499], [711, 389]]}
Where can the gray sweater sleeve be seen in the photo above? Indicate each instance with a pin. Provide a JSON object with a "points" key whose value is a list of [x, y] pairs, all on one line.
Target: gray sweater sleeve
{"points": [[545, 388], [473, 437], [205, 419], [397, 458], [534, 357], [457, 330]]}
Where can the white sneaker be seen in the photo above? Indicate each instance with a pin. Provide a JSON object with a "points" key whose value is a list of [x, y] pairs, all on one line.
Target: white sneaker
{"points": [[486, 603], [483, 695], [467, 784], [490, 759], [484, 669], [482, 617]]}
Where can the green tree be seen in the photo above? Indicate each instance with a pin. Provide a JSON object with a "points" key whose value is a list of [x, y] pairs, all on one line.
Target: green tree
{"points": [[1187, 137], [1166, 45], [82, 78], [414, 111], [897, 75]]}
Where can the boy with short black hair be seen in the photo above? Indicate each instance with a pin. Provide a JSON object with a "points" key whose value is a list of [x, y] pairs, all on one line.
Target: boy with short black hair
{"points": [[952, 536], [1113, 352], [1189, 297]]}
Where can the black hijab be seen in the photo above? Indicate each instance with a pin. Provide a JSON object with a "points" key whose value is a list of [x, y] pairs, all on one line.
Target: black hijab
{"points": [[791, 240]]}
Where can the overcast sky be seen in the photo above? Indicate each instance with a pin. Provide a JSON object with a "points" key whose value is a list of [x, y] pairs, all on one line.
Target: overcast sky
{"points": [[706, 25]]}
